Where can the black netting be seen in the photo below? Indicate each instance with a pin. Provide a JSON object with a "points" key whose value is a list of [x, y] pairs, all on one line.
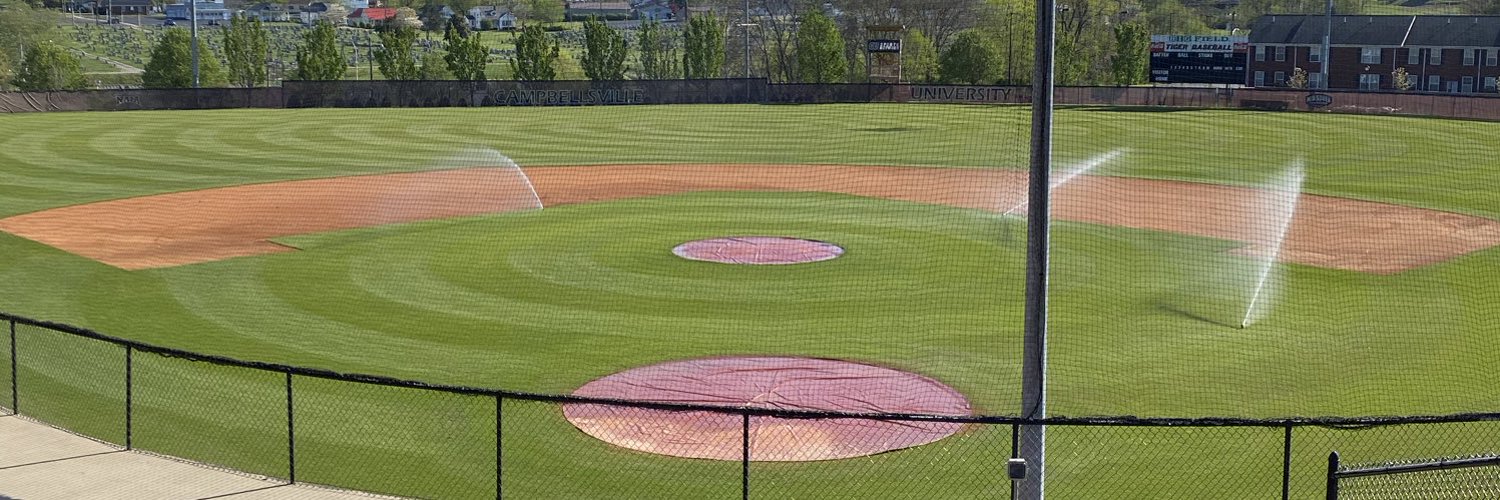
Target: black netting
{"points": [[71, 382], [968, 464], [1161, 462], [7, 379], [391, 440], [222, 415]]}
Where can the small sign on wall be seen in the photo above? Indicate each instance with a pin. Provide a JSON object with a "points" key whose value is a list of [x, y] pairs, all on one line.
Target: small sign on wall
{"points": [[1319, 100]]}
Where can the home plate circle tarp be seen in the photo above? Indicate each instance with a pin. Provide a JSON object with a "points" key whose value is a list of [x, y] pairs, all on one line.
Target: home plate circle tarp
{"points": [[763, 250], [766, 382]]}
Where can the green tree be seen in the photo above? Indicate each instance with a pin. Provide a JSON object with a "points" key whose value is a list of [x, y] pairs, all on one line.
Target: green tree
{"points": [[1170, 17], [658, 52], [919, 58], [247, 50], [318, 57], [395, 57], [1399, 79], [703, 47], [1132, 56], [435, 67], [171, 64], [970, 59], [820, 51], [466, 57], [603, 51], [543, 11], [536, 55], [49, 67], [21, 27]]}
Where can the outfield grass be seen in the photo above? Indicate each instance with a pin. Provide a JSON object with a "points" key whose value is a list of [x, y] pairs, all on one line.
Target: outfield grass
{"points": [[547, 300]]}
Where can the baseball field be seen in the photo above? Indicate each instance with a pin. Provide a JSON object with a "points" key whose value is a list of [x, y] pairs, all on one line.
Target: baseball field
{"points": [[399, 242]]}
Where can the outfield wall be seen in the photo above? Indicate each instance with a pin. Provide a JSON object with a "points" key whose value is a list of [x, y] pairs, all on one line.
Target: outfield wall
{"points": [[364, 94]]}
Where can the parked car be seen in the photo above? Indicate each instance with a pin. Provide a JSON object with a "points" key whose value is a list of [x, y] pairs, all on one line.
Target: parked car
{"points": [[169, 22]]}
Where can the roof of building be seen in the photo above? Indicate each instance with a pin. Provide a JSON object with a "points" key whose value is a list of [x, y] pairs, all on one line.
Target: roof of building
{"points": [[1389, 31], [374, 13], [591, 5]]}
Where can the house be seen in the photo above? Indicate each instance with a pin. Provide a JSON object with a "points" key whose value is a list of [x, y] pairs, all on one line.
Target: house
{"points": [[654, 10], [492, 17], [1438, 53], [372, 15], [584, 9], [312, 12], [122, 7], [208, 11], [271, 12]]}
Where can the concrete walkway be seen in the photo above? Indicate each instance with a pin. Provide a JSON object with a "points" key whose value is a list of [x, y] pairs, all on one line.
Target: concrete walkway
{"points": [[39, 462]]}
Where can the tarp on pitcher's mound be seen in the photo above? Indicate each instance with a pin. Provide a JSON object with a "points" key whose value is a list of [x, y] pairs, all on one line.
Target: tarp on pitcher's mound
{"points": [[766, 382]]}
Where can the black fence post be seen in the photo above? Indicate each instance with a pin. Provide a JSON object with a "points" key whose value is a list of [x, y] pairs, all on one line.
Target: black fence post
{"points": [[1333, 476], [129, 397], [291, 434], [498, 449], [1015, 452], [745, 456], [15, 398], [1286, 464]]}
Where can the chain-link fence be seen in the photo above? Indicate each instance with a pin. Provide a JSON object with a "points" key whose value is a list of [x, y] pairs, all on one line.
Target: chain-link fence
{"points": [[413, 439]]}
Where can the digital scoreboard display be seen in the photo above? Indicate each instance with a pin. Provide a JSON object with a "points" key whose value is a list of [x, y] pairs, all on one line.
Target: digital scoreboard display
{"points": [[1199, 59]]}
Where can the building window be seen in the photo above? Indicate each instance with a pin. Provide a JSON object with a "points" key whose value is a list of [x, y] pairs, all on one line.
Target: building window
{"points": [[1490, 57], [1468, 84], [1260, 79], [1434, 83], [1369, 81], [1315, 80], [1314, 54], [1369, 55], [1278, 79], [1413, 56], [1435, 57], [1280, 53], [1260, 52], [1489, 84], [1468, 57]]}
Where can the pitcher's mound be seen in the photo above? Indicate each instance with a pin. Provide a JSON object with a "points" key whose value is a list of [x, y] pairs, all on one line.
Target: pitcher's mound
{"points": [[766, 382], [758, 250]]}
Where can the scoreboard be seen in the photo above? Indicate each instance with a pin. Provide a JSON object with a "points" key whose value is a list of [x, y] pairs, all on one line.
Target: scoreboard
{"points": [[1199, 59]]}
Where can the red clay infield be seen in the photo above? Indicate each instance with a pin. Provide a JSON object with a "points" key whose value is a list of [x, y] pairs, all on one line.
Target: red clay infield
{"points": [[758, 250], [212, 224], [766, 382]]}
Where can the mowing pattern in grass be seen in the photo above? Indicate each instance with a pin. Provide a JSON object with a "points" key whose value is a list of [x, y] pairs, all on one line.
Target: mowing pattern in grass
{"points": [[546, 301]]}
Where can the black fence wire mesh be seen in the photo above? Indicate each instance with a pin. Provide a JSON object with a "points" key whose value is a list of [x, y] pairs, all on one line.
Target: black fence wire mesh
{"points": [[413, 439]]}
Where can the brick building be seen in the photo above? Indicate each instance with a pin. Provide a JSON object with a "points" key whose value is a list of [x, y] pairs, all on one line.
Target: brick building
{"points": [[1440, 53]]}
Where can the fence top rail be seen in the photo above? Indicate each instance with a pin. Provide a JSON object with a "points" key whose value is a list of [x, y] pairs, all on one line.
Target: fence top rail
{"points": [[1110, 420], [1431, 465]]}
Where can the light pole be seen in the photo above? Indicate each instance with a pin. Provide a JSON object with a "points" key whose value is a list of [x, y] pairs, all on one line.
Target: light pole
{"points": [[193, 13], [746, 27]]}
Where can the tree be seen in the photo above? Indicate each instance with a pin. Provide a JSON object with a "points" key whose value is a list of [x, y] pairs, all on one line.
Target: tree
{"points": [[820, 51], [919, 58], [20, 28], [1171, 17], [1298, 79], [395, 56], [318, 58], [542, 11], [171, 64], [406, 17], [1132, 57], [703, 54], [1399, 79], [971, 59], [435, 67], [658, 52], [459, 25], [536, 55], [336, 14], [466, 57], [603, 51], [49, 67], [247, 50]]}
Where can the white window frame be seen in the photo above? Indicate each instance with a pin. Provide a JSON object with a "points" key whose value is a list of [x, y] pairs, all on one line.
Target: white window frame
{"points": [[1260, 53], [1314, 54], [1315, 80], [1260, 79], [1435, 57], [1369, 55], [1413, 56], [1365, 82], [1469, 58], [1280, 53], [1278, 79], [1466, 84], [1434, 83], [1491, 57], [1489, 84]]}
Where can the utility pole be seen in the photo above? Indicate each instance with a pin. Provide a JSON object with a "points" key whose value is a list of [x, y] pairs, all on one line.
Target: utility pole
{"points": [[747, 39], [1327, 36], [1033, 445], [193, 13]]}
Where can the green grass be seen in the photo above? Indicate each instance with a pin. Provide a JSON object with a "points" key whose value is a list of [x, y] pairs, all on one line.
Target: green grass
{"points": [[545, 301]]}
